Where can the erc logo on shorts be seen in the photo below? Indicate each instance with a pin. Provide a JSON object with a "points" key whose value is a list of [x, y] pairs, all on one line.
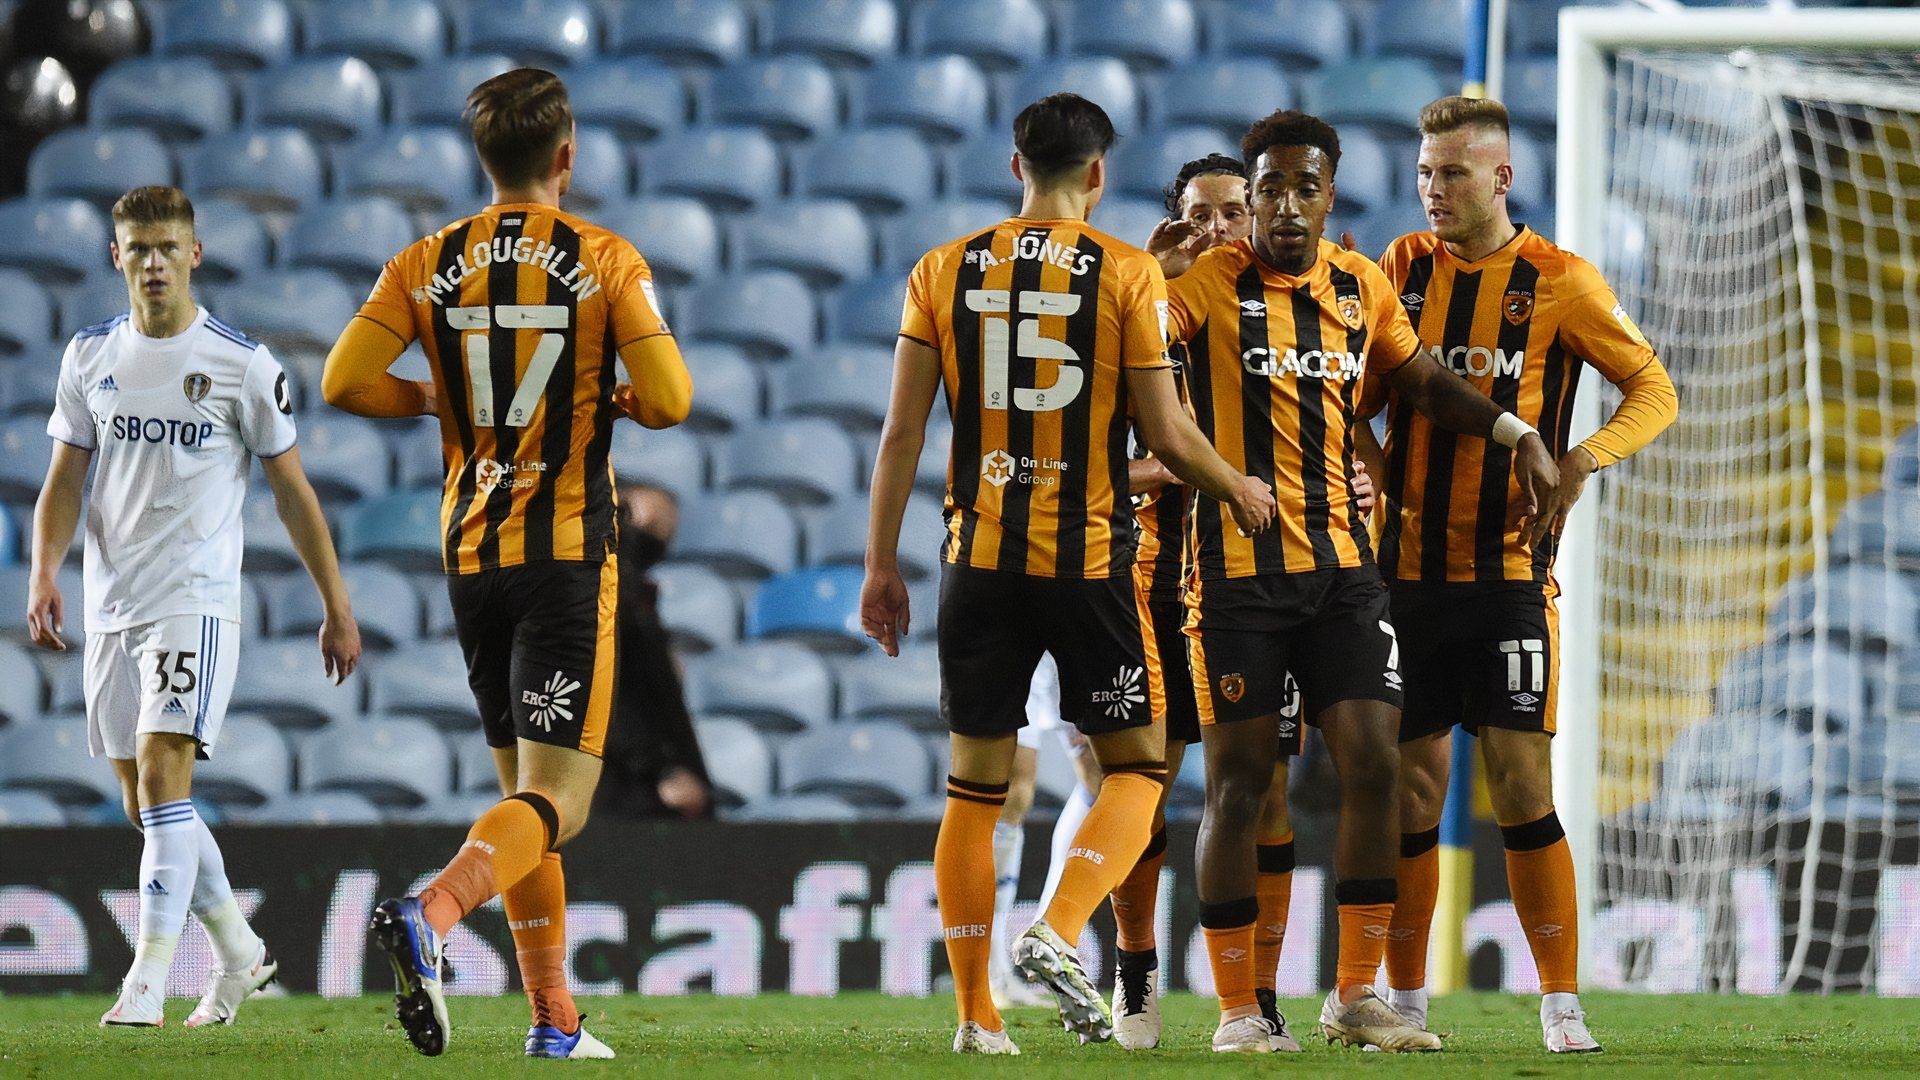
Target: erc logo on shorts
{"points": [[555, 699], [1124, 694]]}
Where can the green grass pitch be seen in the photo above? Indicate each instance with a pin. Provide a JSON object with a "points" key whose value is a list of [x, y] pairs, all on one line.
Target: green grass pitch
{"points": [[873, 1036]]}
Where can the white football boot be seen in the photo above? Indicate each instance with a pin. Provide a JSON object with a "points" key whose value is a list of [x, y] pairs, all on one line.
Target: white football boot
{"points": [[227, 989], [1563, 1026], [1368, 1021], [1249, 1034], [974, 1039], [141, 1004], [1136, 1005]]}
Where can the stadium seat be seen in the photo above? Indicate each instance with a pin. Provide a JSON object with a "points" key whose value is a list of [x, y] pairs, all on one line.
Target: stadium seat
{"points": [[1367, 178], [430, 169], [933, 224], [345, 456], [250, 764], [1431, 29], [292, 309], [837, 31], [730, 387], [1902, 468], [868, 311], [932, 473], [384, 604], [31, 381], [177, 98], [1870, 607], [401, 528], [22, 691], [633, 97], [791, 97], [775, 685], [804, 460], [602, 169], [52, 759], [419, 459], [536, 33], [673, 458], [1385, 92], [1298, 33], [234, 241], [738, 533], [474, 770], [1144, 167], [697, 606], [232, 33], [267, 547], [287, 684], [998, 34], [1373, 231], [710, 32], [844, 383], [1147, 33], [1714, 761], [1532, 92], [98, 298], [437, 93], [455, 808], [904, 687], [873, 765], [385, 33], [99, 165], [1533, 29], [30, 810], [336, 808], [838, 536], [264, 168], [883, 169], [1229, 94], [392, 761], [800, 808], [982, 167], [26, 314], [731, 167], [62, 238], [1128, 219], [66, 672], [332, 98], [942, 96], [738, 760], [1791, 679], [827, 241], [427, 680], [1100, 79], [769, 313], [818, 606], [1879, 529], [25, 451]]}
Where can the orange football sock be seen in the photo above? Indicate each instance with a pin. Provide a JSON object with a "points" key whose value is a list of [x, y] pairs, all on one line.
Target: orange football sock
{"points": [[502, 847], [1366, 911], [537, 915], [1107, 846], [963, 880], [1136, 899], [1419, 881], [1229, 932], [1540, 876], [1274, 892]]}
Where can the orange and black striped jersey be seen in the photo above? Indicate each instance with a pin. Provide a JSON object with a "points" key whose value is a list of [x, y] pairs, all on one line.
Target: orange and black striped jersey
{"points": [[1035, 322], [1519, 325], [522, 310], [1160, 566], [1275, 368]]}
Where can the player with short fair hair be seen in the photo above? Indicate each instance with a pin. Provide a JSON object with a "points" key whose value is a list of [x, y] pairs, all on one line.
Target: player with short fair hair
{"points": [[1472, 581], [1047, 335], [170, 406], [522, 310]]}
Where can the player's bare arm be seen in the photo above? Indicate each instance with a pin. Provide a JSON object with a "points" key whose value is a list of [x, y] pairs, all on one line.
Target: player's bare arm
{"points": [[883, 595], [1451, 403], [1170, 433], [357, 379], [661, 393], [299, 510], [55, 515]]}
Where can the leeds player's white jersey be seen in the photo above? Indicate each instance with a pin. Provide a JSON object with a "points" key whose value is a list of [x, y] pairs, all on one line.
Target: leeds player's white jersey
{"points": [[174, 424]]}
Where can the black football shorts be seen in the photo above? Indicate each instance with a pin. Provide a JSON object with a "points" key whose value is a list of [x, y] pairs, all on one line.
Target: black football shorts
{"points": [[1477, 654]]}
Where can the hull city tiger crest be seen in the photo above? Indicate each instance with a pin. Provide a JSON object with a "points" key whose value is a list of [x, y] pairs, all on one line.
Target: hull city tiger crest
{"points": [[1350, 311], [1232, 687], [196, 387], [1517, 306]]}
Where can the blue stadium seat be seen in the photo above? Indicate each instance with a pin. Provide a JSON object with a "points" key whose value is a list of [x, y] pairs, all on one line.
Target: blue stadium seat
{"points": [[32, 381], [25, 452], [904, 687], [52, 759], [393, 761], [868, 311], [1367, 179], [710, 32], [827, 241], [982, 167], [249, 765], [1531, 93], [800, 808], [1374, 230], [1433, 29], [844, 383], [323, 808], [1658, 162], [98, 297], [98, 165], [1384, 92], [29, 810], [332, 98], [22, 690], [13, 591], [774, 685], [1151, 33], [179, 98], [738, 759], [1127, 218], [234, 242], [818, 606], [474, 772], [286, 683], [232, 33], [1883, 527], [931, 476], [883, 169], [942, 96], [536, 33], [437, 93], [838, 536], [26, 314], [66, 672], [419, 460], [401, 528], [1100, 79], [265, 168], [697, 606], [1299, 33], [353, 236], [732, 167], [837, 31], [1227, 93], [345, 456], [602, 168], [1902, 468], [678, 236], [430, 169], [672, 458], [997, 33], [385, 33], [1144, 167], [1532, 175], [266, 546], [1793, 679], [1867, 606], [427, 680], [1533, 29], [634, 97], [63, 238], [730, 391], [872, 764], [384, 603], [805, 460], [936, 223], [789, 96], [766, 312], [739, 533]]}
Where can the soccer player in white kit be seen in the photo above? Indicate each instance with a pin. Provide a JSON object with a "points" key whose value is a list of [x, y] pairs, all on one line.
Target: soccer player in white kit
{"points": [[175, 404]]}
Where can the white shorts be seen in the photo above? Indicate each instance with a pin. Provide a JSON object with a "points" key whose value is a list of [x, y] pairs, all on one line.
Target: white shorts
{"points": [[172, 675], [1043, 703]]}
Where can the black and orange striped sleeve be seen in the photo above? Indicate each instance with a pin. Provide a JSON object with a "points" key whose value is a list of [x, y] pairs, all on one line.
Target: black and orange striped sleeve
{"points": [[1392, 338], [633, 307], [917, 321], [1144, 315], [1186, 306], [1597, 329]]}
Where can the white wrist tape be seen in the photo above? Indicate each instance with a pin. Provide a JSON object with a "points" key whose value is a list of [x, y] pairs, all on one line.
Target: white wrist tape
{"points": [[1509, 429]]}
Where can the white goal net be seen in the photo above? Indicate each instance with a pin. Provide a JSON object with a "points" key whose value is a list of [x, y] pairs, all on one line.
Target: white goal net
{"points": [[1757, 578]]}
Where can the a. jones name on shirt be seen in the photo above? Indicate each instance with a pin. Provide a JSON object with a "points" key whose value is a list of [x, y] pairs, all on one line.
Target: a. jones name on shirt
{"points": [[1029, 246]]}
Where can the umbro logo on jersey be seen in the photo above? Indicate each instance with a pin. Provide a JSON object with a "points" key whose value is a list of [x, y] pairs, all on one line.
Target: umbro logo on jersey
{"points": [[1525, 700], [1255, 308], [1413, 301], [174, 706]]}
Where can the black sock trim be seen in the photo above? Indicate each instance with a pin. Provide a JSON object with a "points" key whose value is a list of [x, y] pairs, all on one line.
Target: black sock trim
{"points": [[1534, 835], [1155, 771], [1231, 915], [982, 799], [1415, 844], [976, 787], [1147, 958], [1366, 891], [548, 815], [1274, 858], [1156, 845]]}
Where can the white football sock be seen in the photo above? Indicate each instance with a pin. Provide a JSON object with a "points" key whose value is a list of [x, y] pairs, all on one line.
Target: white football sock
{"points": [[1552, 1005], [1411, 1004], [234, 942], [1009, 844], [169, 862], [1064, 830]]}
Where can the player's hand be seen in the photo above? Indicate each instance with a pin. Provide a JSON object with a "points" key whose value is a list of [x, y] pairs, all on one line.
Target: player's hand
{"points": [[1252, 504], [1346, 241], [1362, 487], [1539, 478], [429, 398], [883, 608], [1575, 466], [46, 615], [340, 646], [1176, 243]]}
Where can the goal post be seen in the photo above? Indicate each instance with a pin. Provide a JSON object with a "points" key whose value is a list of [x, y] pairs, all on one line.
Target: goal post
{"points": [[1731, 744]]}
